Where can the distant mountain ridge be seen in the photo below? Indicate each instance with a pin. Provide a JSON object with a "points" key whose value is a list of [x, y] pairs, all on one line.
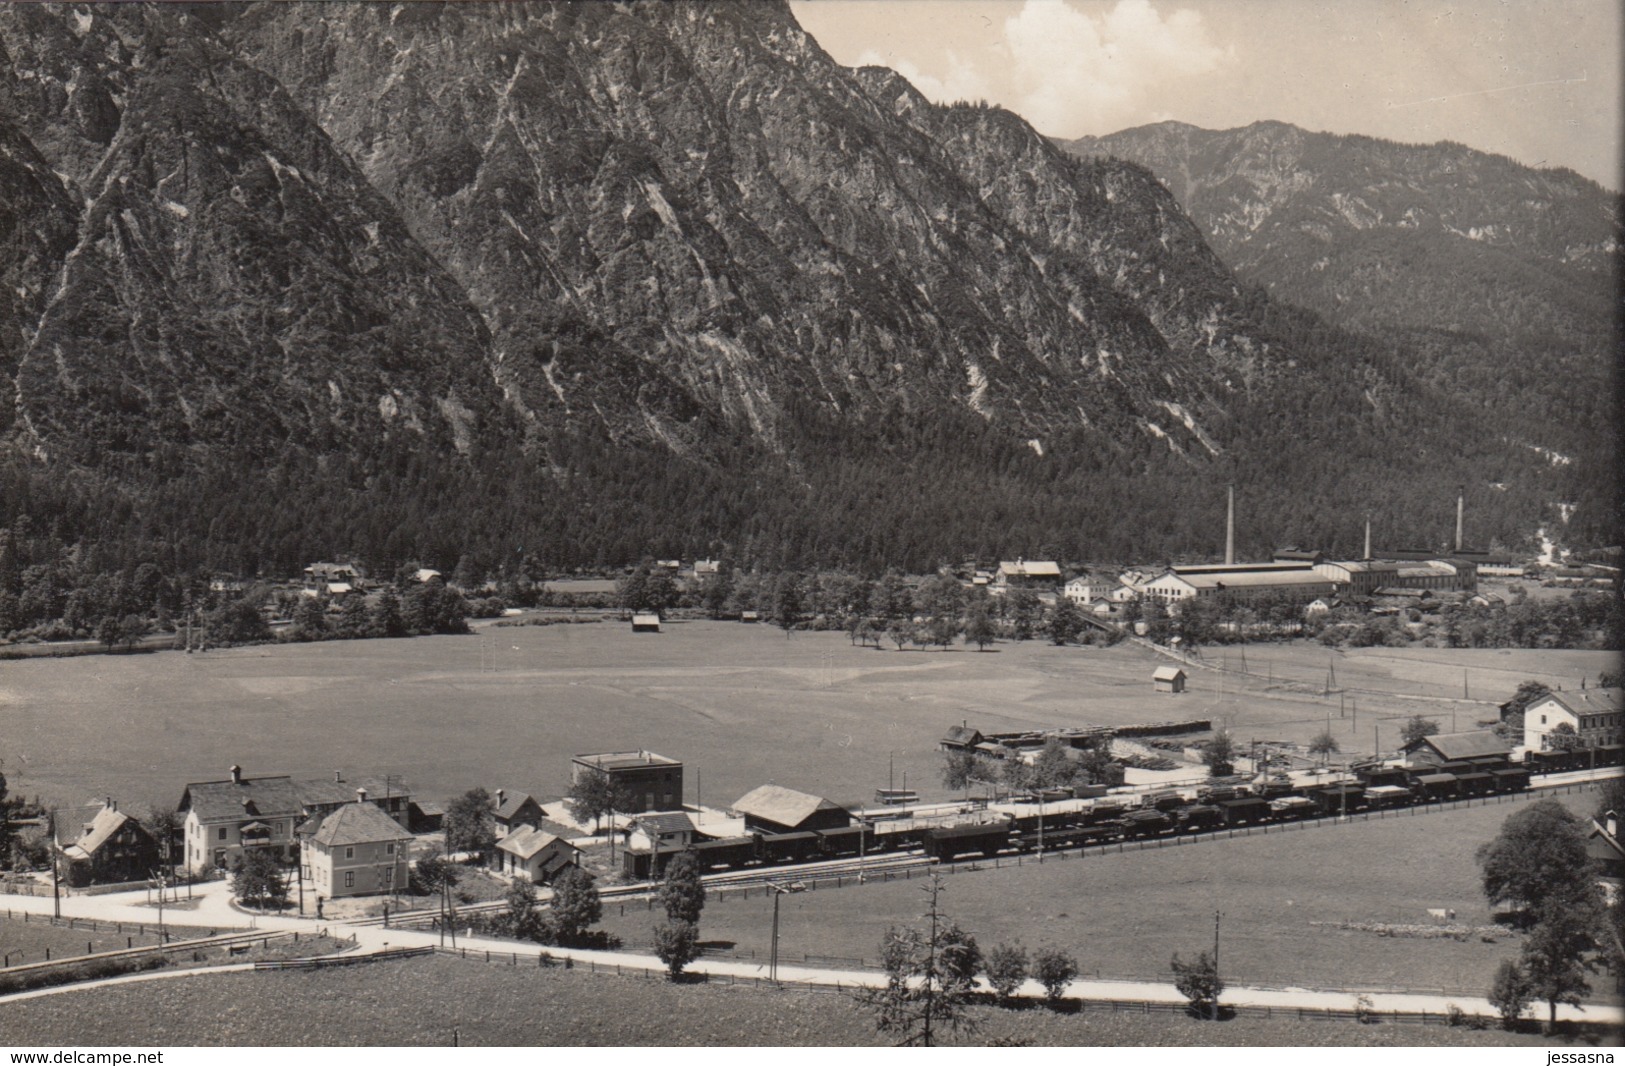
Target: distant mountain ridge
{"points": [[1501, 277], [610, 273]]}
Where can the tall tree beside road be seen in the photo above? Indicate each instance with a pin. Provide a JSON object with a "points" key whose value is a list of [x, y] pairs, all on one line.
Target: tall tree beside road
{"points": [[1006, 969], [1560, 952], [576, 906], [925, 990], [1199, 982], [1509, 992], [682, 893], [1055, 970], [677, 944], [469, 825]]}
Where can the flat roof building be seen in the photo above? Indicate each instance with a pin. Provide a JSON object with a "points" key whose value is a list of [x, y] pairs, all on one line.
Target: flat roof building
{"points": [[652, 782]]}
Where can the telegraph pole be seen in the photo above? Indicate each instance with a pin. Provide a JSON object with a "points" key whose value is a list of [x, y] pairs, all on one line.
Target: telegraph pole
{"points": [[1216, 917], [56, 875]]}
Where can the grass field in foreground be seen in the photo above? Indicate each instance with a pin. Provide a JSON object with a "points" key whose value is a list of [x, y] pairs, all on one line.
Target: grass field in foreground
{"points": [[25, 941], [1124, 915], [426, 1001], [740, 704]]}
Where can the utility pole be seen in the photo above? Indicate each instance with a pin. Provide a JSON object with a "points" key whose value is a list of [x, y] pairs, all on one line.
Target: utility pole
{"points": [[56, 876], [1216, 917]]}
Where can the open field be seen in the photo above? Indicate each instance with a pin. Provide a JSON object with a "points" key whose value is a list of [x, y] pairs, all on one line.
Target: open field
{"points": [[1124, 915], [740, 704], [433, 1001]]}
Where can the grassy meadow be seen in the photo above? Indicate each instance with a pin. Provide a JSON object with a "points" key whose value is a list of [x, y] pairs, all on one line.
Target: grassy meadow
{"points": [[739, 704]]}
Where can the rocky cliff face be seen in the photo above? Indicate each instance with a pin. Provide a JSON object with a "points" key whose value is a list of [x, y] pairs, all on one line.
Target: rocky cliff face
{"points": [[343, 230]]}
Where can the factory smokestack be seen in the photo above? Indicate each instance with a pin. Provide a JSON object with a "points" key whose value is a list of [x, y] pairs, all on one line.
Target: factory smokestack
{"points": [[1230, 530], [1368, 538], [1461, 500]]}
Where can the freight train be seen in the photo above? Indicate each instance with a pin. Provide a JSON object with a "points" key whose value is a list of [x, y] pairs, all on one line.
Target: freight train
{"points": [[1114, 819]]}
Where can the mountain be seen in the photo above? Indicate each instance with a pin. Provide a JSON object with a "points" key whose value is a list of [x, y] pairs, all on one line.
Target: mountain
{"points": [[1499, 277], [583, 282]]}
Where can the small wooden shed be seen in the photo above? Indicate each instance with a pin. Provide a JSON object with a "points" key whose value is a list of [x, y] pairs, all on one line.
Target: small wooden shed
{"points": [[646, 622], [1168, 679]]}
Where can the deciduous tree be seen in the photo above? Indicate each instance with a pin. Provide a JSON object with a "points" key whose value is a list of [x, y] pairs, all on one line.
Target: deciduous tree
{"points": [[676, 944], [1509, 993], [1416, 728], [1199, 982], [576, 906], [1055, 970], [1538, 861], [682, 892], [1006, 969], [469, 824], [257, 879]]}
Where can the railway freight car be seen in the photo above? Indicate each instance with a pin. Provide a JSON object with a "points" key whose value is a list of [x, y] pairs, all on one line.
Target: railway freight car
{"points": [[946, 843]]}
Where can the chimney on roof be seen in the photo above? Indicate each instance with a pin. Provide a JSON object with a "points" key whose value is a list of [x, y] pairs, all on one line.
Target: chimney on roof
{"points": [[338, 777], [236, 774], [1230, 530], [109, 804], [361, 795], [1610, 822], [500, 794]]}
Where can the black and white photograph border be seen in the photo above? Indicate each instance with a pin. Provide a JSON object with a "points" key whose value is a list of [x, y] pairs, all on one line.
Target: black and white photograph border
{"points": [[809, 523]]}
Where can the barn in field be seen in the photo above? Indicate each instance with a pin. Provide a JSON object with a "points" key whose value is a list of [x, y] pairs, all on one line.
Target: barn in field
{"points": [[1168, 679]]}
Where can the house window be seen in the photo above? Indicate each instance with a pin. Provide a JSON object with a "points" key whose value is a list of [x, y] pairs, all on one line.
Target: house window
{"points": [[222, 835], [349, 853], [389, 849], [349, 879]]}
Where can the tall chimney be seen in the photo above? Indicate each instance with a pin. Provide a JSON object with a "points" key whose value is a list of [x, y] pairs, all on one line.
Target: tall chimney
{"points": [[361, 795], [1230, 530], [1368, 538], [338, 777], [1461, 501], [500, 794], [236, 774]]}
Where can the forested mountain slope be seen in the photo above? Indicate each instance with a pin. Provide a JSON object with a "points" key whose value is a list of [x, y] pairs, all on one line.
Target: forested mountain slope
{"points": [[583, 282], [1499, 277]]}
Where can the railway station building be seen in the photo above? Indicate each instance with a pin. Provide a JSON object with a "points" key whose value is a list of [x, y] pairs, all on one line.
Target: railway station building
{"points": [[775, 809]]}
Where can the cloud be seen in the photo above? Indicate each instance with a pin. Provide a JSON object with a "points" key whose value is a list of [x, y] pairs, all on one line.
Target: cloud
{"points": [[961, 82], [1074, 73]]}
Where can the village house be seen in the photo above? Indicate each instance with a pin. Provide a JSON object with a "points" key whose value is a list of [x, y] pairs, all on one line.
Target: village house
{"points": [[221, 818], [357, 850], [1042, 575], [1083, 590], [513, 811], [103, 845], [331, 579], [529, 854], [1593, 714], [1606, 851]]}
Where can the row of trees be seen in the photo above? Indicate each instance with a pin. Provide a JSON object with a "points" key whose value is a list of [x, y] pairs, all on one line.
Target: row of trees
{"points": [[931, 973], [1055, 766]]}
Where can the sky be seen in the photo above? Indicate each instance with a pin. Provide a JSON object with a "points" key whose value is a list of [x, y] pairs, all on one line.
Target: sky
{"points": [[1536, 81]]}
